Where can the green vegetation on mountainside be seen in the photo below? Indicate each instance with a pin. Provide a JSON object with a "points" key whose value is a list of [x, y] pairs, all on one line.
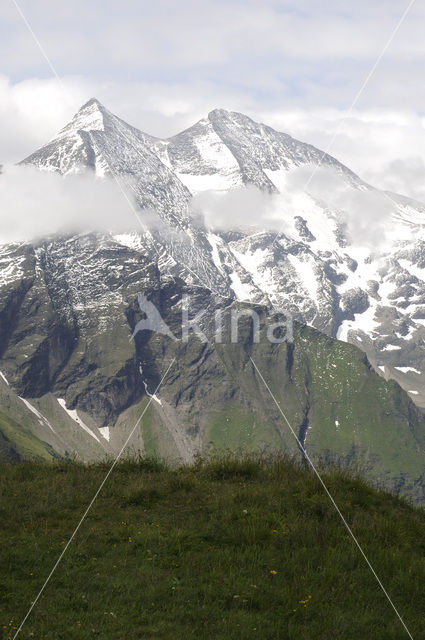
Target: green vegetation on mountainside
{"points": [[18, 442], [213, 399]]}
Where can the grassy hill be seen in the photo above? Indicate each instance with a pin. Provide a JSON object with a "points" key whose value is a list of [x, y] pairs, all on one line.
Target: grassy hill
{"points": [[226, 550]]}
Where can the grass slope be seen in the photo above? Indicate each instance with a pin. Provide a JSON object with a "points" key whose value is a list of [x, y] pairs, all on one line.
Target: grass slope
{"points": [[226, 550], [17, 442]]}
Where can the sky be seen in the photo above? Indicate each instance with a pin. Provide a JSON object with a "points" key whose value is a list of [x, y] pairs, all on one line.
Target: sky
{"points": [[161, 66]]}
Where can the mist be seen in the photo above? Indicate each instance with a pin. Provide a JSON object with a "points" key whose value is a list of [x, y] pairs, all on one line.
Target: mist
{"points": [[35, 204], [239, 208], [365, 213]]}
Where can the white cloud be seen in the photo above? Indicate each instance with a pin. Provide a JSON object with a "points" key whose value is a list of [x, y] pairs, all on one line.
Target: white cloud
{"points": [[101, 37], [36, 204], [385, 147], [278, 52], [31, 112], [403, 175], [245, 207], [364, 215]]}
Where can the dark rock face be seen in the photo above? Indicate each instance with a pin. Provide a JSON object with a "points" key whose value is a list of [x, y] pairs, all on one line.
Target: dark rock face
{"points": [[308, 267], [354, 301], [303, 230]]}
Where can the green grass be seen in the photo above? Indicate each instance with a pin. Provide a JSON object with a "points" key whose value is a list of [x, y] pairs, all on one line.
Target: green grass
{"points": [[226, 549], [16, 440], [236, 429]]}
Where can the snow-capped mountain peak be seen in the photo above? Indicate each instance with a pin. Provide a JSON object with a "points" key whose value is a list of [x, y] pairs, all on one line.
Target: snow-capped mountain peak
{"points": [[91, 116], [318, 266], [72, 149]]}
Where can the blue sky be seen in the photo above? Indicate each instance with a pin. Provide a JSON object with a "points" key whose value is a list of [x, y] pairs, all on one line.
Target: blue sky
{"points": [[162, 65]]}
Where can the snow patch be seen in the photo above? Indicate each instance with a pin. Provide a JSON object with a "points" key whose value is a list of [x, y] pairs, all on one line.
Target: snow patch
{"points": [[151, 395], [254, 262], [88, 118], [219, 167], [364, 322], [279, 177], [251, 261], [130, 240], [214, 240], [10, 266], [104, 432], [42, 419], [209, 182], [407, 369], [307, 276], [242, 291], [4, 378], [74, 416], [412, 269]]}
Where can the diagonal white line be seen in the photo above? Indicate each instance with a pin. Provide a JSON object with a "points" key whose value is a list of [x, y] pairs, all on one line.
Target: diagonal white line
{"points": [[360, 91], [66, 95], [42, 50], [55, 566], [354, 102], [121, 188], [347, 526]]}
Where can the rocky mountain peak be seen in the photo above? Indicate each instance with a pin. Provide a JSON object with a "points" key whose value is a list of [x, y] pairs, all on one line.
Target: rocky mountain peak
{"points": [[90, 103], [90, 117]]}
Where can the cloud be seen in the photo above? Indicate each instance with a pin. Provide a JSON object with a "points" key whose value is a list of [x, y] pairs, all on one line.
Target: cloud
{"points": [[37, 204], [385, 147], [239, 208], [31, 112], [364, 215], [277, 52], [206, 35], [402, 175]]}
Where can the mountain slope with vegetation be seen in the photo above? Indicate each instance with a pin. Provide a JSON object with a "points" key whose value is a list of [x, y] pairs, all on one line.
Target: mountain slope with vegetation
{"points": [[213, 399]]}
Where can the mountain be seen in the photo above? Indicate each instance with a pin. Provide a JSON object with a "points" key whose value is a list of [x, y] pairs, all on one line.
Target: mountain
{"points": [[76, 384], [355, 273], [73, 382]]}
